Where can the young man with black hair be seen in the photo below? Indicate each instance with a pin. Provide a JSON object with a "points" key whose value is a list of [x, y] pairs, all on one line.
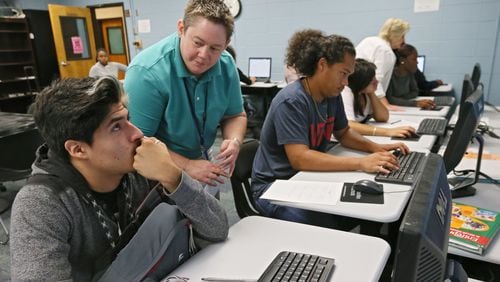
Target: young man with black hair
{"points": [[92, 175]]}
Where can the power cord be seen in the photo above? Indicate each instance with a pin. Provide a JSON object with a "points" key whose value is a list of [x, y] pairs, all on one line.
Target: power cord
{"points": [[483, 128], [491, 105], [465, 172]]}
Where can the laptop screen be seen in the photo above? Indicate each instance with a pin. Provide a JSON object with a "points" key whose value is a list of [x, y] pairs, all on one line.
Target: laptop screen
{"points": [[260, 68], [421, 63]]}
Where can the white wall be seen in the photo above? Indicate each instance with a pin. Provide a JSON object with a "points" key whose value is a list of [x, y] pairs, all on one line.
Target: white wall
{"points": [[460, 34]]}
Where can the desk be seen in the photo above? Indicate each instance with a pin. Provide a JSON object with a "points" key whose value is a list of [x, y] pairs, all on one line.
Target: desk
{"points": [[416, 111], [14, 123], [487, 196], [264, 92], [390, 211], [253, 242], [443, 88]]}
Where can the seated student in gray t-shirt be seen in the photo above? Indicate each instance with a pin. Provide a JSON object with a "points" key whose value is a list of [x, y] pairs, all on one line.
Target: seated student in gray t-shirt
{"points": [[301, 120], [104, 67]]}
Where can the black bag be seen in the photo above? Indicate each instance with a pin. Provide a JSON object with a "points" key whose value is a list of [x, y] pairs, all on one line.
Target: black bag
{"points": [[176, 248]]}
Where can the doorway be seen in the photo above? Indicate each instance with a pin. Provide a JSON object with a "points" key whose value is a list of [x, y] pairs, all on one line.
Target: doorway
{"points": [[110, 32], [80, 31]]}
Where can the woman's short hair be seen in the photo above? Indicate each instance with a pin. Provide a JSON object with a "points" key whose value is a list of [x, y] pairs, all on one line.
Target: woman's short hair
{"points": [[394, 28], [213, 10]]}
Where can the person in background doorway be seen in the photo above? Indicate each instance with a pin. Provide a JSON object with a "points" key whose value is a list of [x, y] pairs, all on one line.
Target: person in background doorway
{"points": [[243, 78], [301, 120], [361, 103], [104, 67], [184, 86], [379, 50], [403, 87]]}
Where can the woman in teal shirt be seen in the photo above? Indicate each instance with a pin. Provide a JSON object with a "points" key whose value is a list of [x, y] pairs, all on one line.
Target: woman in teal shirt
{"points": [[181, 88]]}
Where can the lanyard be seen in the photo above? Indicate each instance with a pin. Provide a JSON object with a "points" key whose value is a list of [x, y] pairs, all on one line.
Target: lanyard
{"points": [[201, 130]]}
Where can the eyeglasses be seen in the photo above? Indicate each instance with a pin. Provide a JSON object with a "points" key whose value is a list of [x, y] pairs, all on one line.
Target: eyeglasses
{"points": [[176, 279]]}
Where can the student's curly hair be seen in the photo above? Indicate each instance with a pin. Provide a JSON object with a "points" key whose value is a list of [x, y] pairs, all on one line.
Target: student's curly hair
{"points": [[213, 10], [73, 109], [363, 74], [307, 47]]}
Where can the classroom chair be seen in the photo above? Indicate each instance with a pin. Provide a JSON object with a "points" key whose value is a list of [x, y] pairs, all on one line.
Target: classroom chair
{"points": [[240, 180], [18, 153]]}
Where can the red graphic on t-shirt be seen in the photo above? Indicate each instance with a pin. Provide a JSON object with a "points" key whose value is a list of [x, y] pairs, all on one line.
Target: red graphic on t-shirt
{"points": [[321, 131]]}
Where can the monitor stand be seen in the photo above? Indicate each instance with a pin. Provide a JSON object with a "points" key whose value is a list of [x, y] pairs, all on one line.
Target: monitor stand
{"points": [[463, 187]]}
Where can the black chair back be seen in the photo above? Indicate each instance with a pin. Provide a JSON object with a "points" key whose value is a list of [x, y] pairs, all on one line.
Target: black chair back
{"points": [[240, 179], [17, 153]]}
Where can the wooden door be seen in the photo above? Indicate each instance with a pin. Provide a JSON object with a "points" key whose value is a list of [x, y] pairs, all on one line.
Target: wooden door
{"points": [[114, 41], [74, 39]]}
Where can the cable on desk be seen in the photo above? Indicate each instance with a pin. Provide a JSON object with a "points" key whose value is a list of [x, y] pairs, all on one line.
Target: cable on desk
{"points": [[465, 172], [491, 105]]}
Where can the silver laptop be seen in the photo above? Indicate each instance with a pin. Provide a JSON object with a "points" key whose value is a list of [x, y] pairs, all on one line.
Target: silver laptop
{"points": [[260, 68]]}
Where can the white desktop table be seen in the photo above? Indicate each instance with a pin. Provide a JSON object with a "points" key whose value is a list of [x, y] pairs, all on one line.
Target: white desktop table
{"points": [[431, 97], [416, 111], [254, 242], [390, 211], [443, 88], [487, 196]]}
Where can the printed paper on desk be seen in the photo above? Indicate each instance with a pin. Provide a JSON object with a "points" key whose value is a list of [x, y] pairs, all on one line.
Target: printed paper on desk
{"points": [[308, 192]]}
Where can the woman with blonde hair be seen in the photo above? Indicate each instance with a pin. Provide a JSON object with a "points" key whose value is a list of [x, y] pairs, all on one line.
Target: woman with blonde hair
{"points": [[378, 50]]}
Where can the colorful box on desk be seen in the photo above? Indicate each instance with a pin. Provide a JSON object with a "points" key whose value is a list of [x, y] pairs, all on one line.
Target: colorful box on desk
{"points": [[472, 228]]}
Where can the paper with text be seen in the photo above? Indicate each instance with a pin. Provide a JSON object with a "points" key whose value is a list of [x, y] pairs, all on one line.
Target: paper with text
{"points": [[308, 192]]}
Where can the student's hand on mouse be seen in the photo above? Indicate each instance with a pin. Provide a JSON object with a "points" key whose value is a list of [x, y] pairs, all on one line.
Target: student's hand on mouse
{"points": [[383, 162], [401, 131], [396, 146], [426, 104], [206, 172], [439, 82], [152, 160]]}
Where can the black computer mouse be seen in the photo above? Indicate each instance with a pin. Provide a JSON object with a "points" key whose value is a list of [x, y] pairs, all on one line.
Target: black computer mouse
{"points": [[413, 135], [368, 186]]}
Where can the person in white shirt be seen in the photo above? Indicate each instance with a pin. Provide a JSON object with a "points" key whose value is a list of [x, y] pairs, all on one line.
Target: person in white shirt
{"points": [[362, 104], [378, 50], [104, 67]]}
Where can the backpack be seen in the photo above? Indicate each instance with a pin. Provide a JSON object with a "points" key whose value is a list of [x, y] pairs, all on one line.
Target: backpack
{"points": [[175, 249]]}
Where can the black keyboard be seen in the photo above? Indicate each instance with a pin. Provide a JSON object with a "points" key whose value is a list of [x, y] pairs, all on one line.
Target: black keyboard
{"points": [[443, 100], [411, 166], [290, 266], [432, 126]]}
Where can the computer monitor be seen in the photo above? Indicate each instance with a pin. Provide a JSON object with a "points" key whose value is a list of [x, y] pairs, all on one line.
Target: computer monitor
{"points": [[467, 89], [260, 68], [465, 130], [476, 75], [421, 63], [422, 244]]}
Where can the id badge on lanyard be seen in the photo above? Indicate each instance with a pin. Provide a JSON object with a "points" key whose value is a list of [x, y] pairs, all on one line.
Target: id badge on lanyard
{"points": [[201, 129]]}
